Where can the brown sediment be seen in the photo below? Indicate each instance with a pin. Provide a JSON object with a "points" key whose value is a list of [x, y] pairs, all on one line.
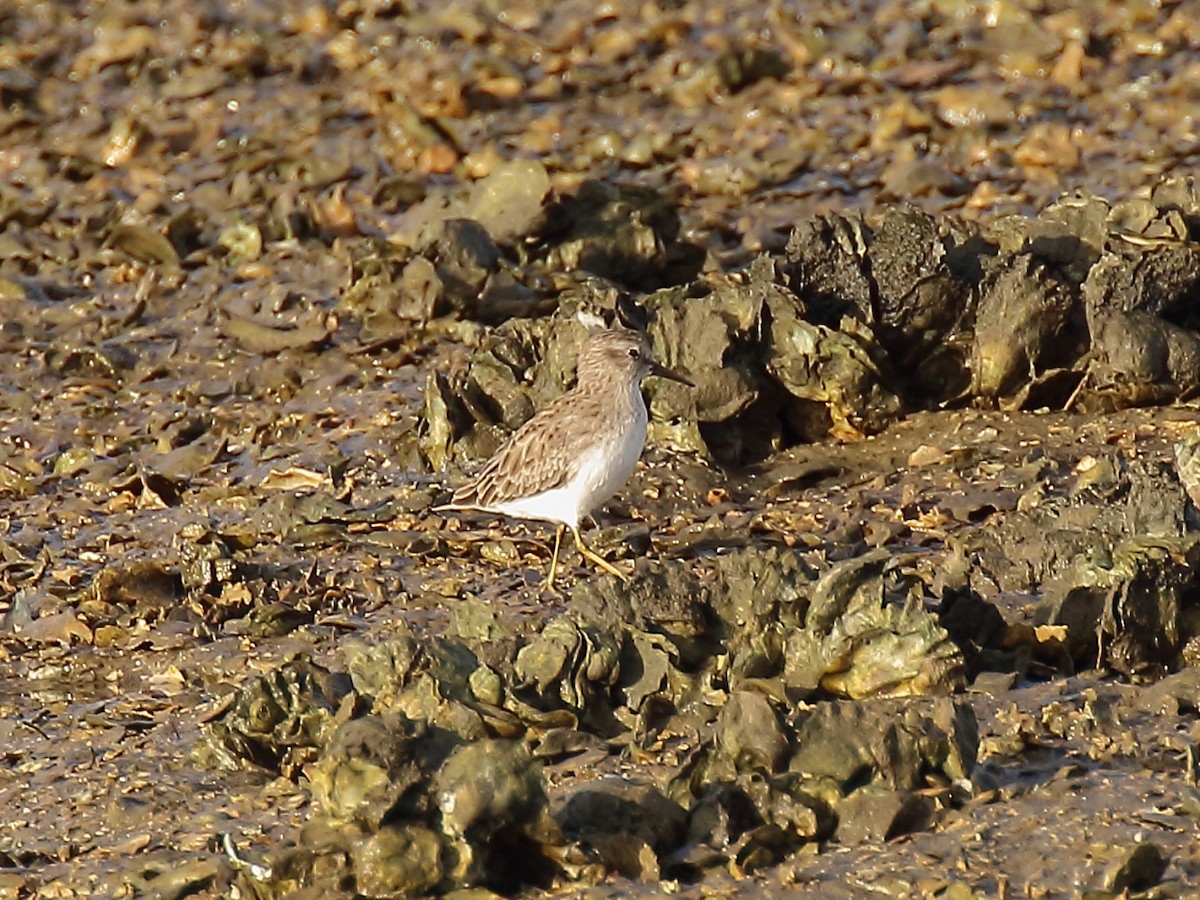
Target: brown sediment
{"points": [[916, 558]]}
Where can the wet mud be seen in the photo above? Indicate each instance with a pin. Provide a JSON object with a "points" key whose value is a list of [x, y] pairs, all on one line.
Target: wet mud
{"points": [[911, 604]]}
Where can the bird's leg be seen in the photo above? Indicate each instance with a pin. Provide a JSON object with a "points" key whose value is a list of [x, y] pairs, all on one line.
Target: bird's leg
{"points": [[589, 554], [554, 559]]}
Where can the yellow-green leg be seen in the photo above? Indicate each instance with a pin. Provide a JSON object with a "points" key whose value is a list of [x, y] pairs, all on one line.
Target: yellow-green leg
{"points": [[589, 554], [554, 559]]}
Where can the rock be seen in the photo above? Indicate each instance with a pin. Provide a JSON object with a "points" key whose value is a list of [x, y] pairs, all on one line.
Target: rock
{"points": [[579, 665], [835, 374], [749, 734], [826, 265], [1020, 324], [856, 643], [397, 861], [873, 813], [1125, 605], [508, 202], [886, 742], [465, 256], [621, 232], [275, 715], [1140, 359], [371, 762], [880, 753], [1136, 869], [920, 300], [490, 794], [628, 824]]}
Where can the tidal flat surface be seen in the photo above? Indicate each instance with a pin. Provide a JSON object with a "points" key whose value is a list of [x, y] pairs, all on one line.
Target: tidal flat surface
{"points": [[272, 275]]}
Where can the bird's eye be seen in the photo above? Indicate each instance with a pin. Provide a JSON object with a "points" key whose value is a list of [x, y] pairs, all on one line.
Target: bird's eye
{"points": [[634, 353]]}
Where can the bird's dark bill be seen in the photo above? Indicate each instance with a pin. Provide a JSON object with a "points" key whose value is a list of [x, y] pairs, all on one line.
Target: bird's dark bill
{"points": [[664, 372]]}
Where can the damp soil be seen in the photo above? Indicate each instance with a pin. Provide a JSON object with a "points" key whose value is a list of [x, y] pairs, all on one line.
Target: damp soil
{"points": [[1079, 771], [233, 260]]}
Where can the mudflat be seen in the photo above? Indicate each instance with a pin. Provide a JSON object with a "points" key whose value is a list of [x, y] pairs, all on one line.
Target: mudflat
{"points": [[911, 606]]}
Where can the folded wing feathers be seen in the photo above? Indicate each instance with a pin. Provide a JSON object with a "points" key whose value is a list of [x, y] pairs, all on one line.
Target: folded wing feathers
{"points": [[540, 456]]}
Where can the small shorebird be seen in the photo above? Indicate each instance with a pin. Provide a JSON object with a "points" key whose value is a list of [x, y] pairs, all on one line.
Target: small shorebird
{"points": [[578, 451]]}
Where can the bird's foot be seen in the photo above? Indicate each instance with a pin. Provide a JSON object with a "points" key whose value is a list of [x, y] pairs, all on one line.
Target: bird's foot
{"points": [[600, 562]]}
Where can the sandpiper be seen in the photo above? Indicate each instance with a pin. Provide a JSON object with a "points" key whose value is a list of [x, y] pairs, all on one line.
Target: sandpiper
{"points": [[578, 451]]}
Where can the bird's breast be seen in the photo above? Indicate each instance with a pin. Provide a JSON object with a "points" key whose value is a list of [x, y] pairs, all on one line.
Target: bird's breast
{"points": [[611, 460]]}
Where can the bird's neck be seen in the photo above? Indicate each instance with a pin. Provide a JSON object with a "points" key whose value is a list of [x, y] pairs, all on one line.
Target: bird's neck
{"points": [[624, 401], [632, 401]]}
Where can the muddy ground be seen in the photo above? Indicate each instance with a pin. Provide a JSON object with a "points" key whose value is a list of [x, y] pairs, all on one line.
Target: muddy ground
{"points": [[248, 339], [1076, 771]]}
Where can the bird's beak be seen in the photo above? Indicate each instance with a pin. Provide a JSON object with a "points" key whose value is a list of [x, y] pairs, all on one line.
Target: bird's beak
{"points": [[664, 372]]}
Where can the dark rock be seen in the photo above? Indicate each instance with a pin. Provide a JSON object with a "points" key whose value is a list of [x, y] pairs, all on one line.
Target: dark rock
{"points": [[886, 742], [465, 256], [273, 716], [873, 814], [826, 265], [620, 232], [614, 806], [1021, 324], [1140, 869]]}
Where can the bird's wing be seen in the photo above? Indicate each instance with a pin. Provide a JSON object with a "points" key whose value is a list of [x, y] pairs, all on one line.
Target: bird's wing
{"points": [[541, 455]]}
